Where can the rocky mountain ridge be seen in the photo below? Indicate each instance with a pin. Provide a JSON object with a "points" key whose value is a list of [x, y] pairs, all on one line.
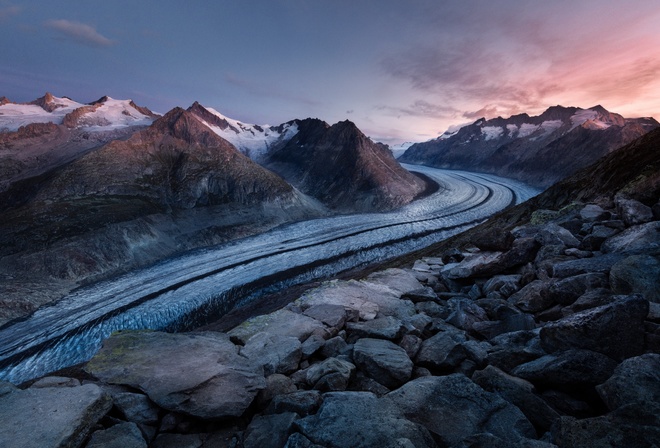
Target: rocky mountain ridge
{"points": [[539, 150], [364, 174]]}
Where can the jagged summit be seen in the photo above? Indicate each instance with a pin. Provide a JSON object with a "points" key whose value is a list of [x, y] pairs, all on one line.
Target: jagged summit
{"points": [[343, 168], [538, 150], [255, 141]]}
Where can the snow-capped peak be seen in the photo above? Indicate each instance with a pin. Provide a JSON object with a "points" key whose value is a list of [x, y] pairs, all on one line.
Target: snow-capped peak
{"points": [[106, 113], [252, 140]]}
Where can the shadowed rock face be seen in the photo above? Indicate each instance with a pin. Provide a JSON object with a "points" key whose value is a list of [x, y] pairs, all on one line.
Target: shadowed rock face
{"points": [[538, 150], [343, 168]]}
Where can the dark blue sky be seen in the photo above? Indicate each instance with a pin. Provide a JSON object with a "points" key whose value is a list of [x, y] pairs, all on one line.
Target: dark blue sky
{"points": [[400, 70]]}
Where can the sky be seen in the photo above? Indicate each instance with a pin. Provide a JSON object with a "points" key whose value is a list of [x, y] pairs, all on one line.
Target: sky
{"points": [[401, 70]]}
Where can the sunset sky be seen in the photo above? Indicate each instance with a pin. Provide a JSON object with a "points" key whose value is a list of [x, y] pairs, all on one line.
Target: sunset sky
{"points": [[401, 70]]}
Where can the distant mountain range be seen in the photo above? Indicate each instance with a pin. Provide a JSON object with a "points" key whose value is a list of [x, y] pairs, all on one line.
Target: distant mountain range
{"points": [[538, 150], [90, 190]]}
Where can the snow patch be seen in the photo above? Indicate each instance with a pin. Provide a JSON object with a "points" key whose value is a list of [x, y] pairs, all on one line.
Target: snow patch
{"points": [[13, 116], [527, 129], [513, 129], [114, 114], [587, 115], [252, 140], [492, 132]]}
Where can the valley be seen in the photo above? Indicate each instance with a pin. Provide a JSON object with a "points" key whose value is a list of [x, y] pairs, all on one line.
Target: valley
{"points": [[189, 290]]}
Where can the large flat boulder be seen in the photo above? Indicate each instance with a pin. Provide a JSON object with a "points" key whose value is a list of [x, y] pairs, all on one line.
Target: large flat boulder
{"points": [[360, 420], [50, 417], [643, 238], [200, 374], [615, 329], [369, 298], [277, 354], [281, 323], [453, 408], [637, 274], [634, 380]]}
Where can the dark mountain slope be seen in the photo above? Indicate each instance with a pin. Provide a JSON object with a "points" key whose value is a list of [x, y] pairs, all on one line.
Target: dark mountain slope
{"points": [[343, 168]]}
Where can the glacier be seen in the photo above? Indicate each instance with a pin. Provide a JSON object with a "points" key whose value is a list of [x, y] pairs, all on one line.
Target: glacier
{"points": [[183, 292]]}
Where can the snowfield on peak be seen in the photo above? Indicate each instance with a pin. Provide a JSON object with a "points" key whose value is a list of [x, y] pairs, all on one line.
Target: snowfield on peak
{"points": [[252, 140], [103, 115], [13, 116], [113, 113]]}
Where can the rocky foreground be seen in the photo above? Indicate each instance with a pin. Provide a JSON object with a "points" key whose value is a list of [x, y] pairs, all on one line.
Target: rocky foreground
{"points": [[548, 335]]}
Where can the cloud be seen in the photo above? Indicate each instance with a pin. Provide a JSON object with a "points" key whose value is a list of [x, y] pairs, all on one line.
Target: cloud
{"points": [[421, 108], [80, 33], [527, 62], [8, 11]]}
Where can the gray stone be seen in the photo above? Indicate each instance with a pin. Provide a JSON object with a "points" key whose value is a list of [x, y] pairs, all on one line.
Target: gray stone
{"points": [[122, 435], [333, 347], [56, 381], [504, 284], [532, 298], [593, 212], [297, 440], [387, 327], [433, 309], [401, 281], [518, 392], [633, 212], [362, 383], [276, 384], [303, 402], [454, 408], [572, 368], [464, 313], [368, 298], [165, 440], [331, 315], [637, 274], [569, 268], [474, 265], [616, 329], [311, 345], [642, 238], [590, 299], [200, 374], [634, 380], [567, 290], [411, 344], [52, 416], [269, 431], [497, 309], [597, 237], [632, 425], [424, 294], [383, 361], [276, 354], [361, 420], [443, 351], [512, 323], [330, 366], [136, 408], [281, 323]]}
